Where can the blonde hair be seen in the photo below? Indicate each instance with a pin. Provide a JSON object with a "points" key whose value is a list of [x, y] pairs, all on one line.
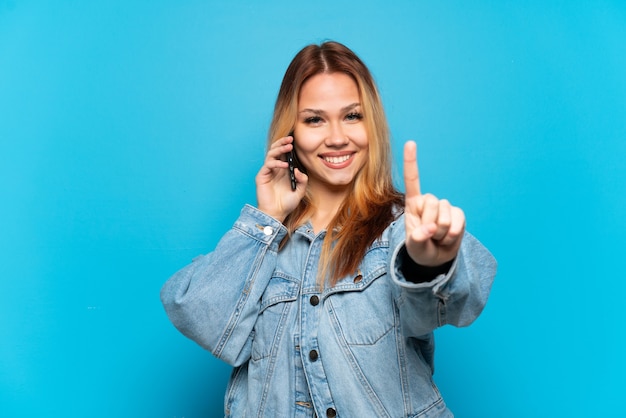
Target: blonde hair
{"points": [[366, 212]]}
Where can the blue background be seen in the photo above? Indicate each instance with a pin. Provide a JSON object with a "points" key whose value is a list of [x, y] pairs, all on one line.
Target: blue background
{"points": [[131, 133]]}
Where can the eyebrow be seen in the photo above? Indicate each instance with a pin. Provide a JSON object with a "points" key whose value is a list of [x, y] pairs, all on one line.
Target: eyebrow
{"points": [[321, 112]]}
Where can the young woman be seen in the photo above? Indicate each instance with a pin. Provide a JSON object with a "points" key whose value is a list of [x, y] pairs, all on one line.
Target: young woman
{"points": [[325, 298]]}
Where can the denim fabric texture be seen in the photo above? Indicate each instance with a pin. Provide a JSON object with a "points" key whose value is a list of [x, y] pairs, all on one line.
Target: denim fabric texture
{"points": [[363, 348]]}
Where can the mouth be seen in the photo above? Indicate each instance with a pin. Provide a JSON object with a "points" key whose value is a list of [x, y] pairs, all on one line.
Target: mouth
{"points": [[337, 160]]}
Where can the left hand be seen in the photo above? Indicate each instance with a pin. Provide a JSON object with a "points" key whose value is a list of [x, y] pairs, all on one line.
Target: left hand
{"points": [[434, 228]]}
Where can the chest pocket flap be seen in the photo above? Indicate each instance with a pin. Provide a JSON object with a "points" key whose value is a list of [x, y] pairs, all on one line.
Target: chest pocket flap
{"points": [[373, 266], [279, 289]]}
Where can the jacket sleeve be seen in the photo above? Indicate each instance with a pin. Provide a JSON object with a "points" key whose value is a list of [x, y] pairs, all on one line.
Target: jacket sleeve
{"points": [[455, 298], [215, 300]]}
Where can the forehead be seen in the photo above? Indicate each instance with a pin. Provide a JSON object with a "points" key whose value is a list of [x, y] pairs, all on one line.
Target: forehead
{"points": [[328, 88]]}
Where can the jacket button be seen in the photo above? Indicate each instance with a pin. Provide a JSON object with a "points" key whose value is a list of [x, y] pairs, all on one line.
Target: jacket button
{"points": [[313, 355], [358, 278], [331, 413], [314, 300]]}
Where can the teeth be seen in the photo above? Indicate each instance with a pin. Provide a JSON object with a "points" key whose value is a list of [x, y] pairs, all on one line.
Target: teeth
{"points": [[337, 160]]}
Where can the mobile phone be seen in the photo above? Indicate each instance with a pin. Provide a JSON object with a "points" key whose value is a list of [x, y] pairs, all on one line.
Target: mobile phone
{"points": [[291, 162]]}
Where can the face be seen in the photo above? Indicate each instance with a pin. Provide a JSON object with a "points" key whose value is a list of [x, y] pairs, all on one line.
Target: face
{"points": [[331, 139]]}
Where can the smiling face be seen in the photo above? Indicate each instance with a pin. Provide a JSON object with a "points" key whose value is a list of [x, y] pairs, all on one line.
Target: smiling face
{"points": [[331, 138]]}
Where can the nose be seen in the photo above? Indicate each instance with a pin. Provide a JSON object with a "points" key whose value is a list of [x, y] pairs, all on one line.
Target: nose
{"points": [[336, 137]]}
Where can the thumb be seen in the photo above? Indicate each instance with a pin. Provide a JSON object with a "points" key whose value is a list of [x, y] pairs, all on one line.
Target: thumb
{"points": [[423, 233], [301, 178]]}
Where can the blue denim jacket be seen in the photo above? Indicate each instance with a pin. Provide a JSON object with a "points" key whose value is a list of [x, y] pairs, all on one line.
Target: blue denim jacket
{"points": [[363, 348]]}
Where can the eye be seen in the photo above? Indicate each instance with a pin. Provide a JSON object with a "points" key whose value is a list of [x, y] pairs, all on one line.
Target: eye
{"points": [[313, 120], [354, 116]]}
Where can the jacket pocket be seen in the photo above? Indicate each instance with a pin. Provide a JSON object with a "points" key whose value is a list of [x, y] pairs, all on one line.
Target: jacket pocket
{"points": [[363, 311], [277, 301]]}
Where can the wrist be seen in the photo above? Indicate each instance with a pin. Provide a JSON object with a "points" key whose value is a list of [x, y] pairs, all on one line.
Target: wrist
{"points": [[418, 273], [279, 217]]}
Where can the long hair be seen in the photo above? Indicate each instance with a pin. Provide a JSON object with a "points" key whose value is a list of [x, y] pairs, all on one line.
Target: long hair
{"points": [[369, 208]]}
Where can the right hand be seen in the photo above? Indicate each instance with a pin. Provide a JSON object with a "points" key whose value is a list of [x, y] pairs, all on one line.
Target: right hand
{"points": [[273, 187]]}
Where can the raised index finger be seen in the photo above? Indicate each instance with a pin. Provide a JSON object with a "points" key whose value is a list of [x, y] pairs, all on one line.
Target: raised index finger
{"points": [[411, 172]]}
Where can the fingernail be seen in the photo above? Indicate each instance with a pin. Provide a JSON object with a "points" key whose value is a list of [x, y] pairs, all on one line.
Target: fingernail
{"points": [[429, 229]]}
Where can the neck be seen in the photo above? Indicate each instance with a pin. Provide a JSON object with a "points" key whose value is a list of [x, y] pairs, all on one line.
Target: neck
{"points": [[326, 203]]}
